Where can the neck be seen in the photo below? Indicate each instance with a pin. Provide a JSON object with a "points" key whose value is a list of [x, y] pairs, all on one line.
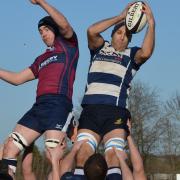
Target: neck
{"points": [[118, 47]]}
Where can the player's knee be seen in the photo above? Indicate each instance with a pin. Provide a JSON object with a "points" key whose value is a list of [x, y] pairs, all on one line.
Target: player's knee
{"points": [[110, 156], [87, 148], [92, 142], [17, 140], [10, 150], [116, 142]]}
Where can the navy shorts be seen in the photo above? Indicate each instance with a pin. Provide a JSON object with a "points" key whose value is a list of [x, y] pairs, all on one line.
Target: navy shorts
{"points": [[102, 119], [50, 112]]}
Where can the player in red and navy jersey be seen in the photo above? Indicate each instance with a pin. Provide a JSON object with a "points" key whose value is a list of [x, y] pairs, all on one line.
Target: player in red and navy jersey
{"points": [[55, 70]]}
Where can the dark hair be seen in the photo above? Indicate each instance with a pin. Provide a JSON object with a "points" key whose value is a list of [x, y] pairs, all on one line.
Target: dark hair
{"points": [[117, 26], [49, 22], [95, 167]]}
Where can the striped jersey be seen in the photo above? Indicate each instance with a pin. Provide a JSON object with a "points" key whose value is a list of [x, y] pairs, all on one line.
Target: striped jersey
{"points": [[55, 69], [110, 74]]}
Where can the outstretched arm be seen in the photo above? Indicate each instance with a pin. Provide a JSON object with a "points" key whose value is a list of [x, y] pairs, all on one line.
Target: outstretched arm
{"points": [[95, 40], [136, 160], [64, 27], [149, 41], [27, 163], [68, 162], [17, 78], [55, 156], [126, 172]]}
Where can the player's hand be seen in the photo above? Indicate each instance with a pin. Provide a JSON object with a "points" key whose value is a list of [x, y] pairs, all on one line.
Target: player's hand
{"points": [[147, 10], [124, 12], [77, 145], [36, 1], [57, 153], [121, 155]]}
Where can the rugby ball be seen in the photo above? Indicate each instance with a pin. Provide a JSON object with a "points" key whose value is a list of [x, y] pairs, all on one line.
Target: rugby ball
{"points": [[135, 18]]}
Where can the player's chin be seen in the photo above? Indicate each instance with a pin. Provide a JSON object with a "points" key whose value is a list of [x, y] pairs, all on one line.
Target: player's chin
{"points": [[48, 44]]}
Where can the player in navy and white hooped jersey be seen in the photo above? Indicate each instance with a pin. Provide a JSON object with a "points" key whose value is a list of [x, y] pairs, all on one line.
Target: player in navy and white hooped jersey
{"points": [[55, 70], [112, 68]]}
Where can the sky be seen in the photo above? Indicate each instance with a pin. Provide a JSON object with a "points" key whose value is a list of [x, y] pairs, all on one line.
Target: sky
{"points": [[21, 44]]}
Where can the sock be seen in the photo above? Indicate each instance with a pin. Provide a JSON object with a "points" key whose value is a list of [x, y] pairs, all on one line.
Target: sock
{"points": [[114, 173], [10, 163]]}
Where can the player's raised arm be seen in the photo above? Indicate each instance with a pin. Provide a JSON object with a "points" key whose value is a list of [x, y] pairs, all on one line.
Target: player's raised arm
{"points": [[95, 40], [149, 41], [64, 27]]}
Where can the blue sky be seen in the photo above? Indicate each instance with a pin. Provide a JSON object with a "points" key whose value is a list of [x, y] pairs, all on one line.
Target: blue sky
{"points": [[21, 43]]}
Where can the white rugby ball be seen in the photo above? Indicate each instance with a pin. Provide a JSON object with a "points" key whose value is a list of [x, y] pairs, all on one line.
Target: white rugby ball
{"points": [[135, 18]]}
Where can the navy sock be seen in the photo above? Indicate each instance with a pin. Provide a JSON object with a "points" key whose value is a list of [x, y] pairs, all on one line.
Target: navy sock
{"points": [[114, 173], [10, 163]]}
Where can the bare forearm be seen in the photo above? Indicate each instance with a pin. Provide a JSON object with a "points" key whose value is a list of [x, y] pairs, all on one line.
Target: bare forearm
{"points": [[67, 163], [55, 170], [101, 26], [135, 155], [10, 77], [16, 78], [95, 39], [126, 173], [149, 40]]}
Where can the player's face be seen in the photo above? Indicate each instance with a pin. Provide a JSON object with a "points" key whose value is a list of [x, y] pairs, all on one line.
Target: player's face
{"points": [[47, 35], [120, 38]]}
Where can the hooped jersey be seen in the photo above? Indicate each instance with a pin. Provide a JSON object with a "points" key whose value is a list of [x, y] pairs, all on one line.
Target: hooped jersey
{"points": [[55, 69], [110, 75]]}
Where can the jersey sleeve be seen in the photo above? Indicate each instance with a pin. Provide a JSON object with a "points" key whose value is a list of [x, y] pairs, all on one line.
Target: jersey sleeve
{"points": [[73, 41], [133, 51], [94, 51], [34, 68], [132, 55]]}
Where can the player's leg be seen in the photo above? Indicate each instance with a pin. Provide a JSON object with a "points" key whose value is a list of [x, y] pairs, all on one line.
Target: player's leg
{"points": [[87, 148], [115, 136], [88, 129], [18, 140], [58, 119]]}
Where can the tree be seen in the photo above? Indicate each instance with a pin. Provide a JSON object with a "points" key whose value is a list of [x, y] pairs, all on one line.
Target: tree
{"points": [[144, 106], [171, 138]]}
